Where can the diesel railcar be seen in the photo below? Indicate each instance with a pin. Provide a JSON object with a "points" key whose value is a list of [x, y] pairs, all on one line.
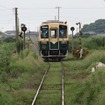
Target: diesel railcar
{"points": [[53, 40]]}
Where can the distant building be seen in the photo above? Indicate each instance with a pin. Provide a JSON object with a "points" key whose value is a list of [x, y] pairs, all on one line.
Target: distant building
{"points": [[10, 33], [89, 33], [32, 33]]}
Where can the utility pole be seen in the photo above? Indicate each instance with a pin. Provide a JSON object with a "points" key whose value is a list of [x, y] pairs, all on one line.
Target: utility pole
{"points": [[16, 23], [55, 18], [58, 12]]}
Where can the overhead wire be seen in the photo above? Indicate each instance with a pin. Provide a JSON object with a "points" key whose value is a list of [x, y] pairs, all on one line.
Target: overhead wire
{"points": [[4, 8], [37, 16]]}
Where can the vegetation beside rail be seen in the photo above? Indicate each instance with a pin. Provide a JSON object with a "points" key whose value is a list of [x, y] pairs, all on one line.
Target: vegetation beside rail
{"points": [[82, 86], [90, 43], [20, 75]]}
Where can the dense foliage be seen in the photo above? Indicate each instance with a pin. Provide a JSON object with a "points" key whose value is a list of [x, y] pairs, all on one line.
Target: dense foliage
{"points": [[6, 51], [98, 26], [19, 46], [83, 86], [91, 43], [94, 42], [1, 32], [20, 76]]}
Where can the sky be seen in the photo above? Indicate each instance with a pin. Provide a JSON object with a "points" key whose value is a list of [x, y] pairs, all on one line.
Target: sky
{"points": [[33, 12]]}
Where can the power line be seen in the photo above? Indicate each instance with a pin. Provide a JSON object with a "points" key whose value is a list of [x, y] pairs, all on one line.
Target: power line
{"points": [[3, 7], [35, 8], [85, 8]]}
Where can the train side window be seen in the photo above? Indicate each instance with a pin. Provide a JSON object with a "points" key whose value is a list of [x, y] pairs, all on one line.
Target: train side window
{"points": [[62, 31], [53, 33]]}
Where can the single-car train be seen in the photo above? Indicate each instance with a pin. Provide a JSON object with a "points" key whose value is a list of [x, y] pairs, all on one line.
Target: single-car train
{"points": [[53, 40]]}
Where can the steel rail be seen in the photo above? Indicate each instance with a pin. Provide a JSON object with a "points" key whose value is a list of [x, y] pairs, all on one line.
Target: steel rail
{"points": [[39, 88], [63, 98]]}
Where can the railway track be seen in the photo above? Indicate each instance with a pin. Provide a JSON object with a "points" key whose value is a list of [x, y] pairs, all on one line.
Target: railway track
{"points": [[63, 101], [51, 86], [40, 86]]}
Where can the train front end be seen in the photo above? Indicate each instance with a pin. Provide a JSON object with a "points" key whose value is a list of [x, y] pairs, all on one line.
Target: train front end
{"points": [[53, 40]]}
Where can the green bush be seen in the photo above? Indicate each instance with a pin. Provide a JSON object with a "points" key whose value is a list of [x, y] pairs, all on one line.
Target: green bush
{"points": [[17, 87], [4, 77], [84, 87], [94, 42], [6, 51], [19, 46]]}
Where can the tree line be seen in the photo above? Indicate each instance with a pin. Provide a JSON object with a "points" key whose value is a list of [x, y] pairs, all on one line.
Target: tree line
{"points": [[98, 27]]}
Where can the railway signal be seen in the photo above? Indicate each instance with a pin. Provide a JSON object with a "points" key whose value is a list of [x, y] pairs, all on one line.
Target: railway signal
{"points": [[72, 29], [20, 35], [24, 29]]}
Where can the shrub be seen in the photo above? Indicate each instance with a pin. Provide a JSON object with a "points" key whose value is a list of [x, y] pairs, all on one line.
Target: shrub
{"points": [[19, 46], [94, 42], [5, 56]]}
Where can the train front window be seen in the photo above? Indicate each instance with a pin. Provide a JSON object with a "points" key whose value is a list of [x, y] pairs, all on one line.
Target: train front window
{"points": [[44, 32], [62, 31], [53, 33]]}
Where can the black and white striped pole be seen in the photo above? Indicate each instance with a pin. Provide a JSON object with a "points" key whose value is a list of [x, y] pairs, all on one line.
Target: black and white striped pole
{"points": [[80, 33]]}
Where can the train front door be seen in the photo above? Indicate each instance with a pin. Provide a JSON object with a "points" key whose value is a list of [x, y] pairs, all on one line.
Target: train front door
{"points": [[54, 41]]}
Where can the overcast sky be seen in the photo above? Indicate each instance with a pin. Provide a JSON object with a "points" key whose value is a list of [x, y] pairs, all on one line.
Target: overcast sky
{"points": [[34, 12]]}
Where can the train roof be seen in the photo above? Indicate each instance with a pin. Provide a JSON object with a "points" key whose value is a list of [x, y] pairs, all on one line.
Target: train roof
{"points": [[53, 21]]}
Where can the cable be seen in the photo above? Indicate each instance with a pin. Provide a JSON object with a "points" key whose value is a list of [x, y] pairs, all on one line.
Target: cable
{"points": [[5, 8]]}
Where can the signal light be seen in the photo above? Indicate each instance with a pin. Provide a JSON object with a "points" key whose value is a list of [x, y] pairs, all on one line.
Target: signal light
{"points": [[72, 28], [23, 27]]}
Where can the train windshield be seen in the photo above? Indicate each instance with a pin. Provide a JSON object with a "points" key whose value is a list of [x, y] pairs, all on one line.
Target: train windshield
{"points": [[53, 33], [62, 31], [44, 31]]}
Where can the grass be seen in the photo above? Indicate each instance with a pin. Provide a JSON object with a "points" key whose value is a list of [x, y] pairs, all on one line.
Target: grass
{"points": [[51, 90], [49, 97], [82, 86], [18, 86]]}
